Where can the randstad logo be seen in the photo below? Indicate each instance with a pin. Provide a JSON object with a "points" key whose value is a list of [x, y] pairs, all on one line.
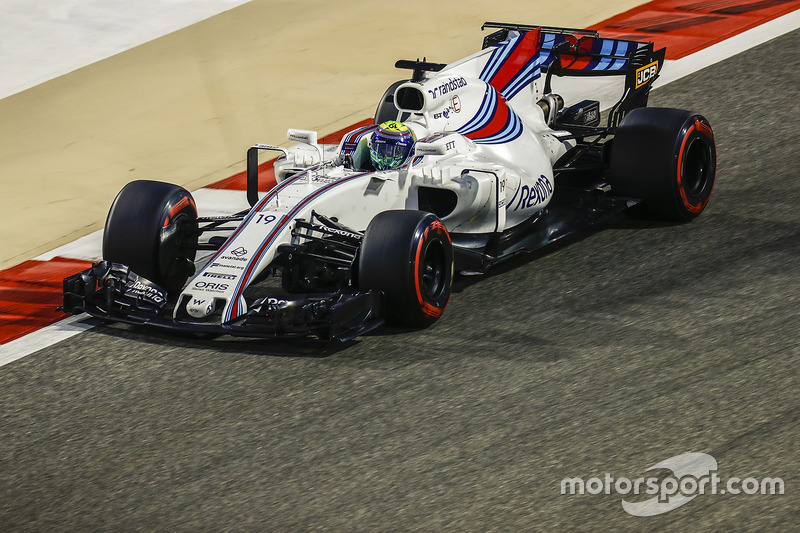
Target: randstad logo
{"points": [[692, 474]]}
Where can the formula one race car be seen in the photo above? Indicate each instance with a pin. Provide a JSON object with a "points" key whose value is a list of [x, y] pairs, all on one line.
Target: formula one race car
{"points": [[466, 165]]}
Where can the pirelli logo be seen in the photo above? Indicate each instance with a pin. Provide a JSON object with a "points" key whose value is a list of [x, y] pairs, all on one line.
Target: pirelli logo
{"points": [[646, 73]]}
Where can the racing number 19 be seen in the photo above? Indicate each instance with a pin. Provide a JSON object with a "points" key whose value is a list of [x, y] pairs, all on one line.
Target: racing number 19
{"points": [[266, 219]]}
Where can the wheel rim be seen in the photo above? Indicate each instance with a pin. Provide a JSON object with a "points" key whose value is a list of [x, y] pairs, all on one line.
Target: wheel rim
{"points": [[432, 271], [696, 167]]}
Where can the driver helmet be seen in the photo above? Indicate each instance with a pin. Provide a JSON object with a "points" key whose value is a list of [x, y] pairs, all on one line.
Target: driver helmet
{"points": [[390, 145]]}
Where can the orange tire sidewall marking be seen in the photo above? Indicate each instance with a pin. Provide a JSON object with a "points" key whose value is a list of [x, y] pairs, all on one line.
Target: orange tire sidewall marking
{"points": [[704, 129], [427, 308]]}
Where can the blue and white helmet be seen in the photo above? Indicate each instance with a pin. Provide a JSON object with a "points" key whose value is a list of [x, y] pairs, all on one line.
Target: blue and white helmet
{"points": [[390, 145]]}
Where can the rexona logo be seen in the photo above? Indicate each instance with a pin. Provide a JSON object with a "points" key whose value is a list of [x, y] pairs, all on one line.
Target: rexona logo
{"points": [[337, 231], [646, 73]]}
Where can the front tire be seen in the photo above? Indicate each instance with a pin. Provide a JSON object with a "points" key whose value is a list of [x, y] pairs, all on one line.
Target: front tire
{"points": [[668, 158], [152, 228], [409, 257]]}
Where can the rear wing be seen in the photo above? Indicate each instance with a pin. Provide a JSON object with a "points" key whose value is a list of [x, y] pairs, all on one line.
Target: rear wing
{"points": [[576, 52]]}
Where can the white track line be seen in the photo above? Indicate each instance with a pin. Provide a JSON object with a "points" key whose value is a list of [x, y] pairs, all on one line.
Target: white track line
{"points": [[45, 337], [217, 200], [675, 70]]}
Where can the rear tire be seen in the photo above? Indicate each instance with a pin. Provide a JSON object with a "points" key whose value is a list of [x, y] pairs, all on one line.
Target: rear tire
{"points": [[668, 158], [408, 256], [152, 228]]}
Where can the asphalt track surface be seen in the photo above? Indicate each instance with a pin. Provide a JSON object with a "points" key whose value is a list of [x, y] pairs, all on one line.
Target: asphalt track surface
{"points": [[613, 352]]}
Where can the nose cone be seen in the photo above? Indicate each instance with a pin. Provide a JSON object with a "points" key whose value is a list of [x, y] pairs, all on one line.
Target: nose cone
{"points": [[200, 307]]}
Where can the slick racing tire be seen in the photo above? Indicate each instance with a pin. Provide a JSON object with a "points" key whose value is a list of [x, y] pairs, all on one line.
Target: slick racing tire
{"points": [[668, 158], [409, 257], [152, 228]]}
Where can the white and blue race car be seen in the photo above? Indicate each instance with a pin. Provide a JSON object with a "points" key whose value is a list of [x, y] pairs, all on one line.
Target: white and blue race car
{"points": [[466, 165]]}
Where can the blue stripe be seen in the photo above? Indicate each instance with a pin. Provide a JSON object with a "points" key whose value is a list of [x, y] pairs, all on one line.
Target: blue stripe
{"points": [[608, 49], [510, 131], [549, 41], [499, 56], [603, 64], [525, 77], [619, 64], [485, 113]]}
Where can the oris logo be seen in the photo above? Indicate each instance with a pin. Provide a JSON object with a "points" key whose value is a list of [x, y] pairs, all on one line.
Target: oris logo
{"points": [[213, 286]]}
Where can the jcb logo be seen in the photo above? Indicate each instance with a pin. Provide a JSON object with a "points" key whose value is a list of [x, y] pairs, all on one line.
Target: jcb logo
{"points": [[646, 73]]}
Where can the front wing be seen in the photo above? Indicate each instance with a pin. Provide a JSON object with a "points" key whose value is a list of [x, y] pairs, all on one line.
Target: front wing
{"points": [[111, 291]]}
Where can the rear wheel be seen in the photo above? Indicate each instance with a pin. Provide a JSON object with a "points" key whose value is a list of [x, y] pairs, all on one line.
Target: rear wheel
{"points": [[668, 158], [152, 228], [409, 257]]}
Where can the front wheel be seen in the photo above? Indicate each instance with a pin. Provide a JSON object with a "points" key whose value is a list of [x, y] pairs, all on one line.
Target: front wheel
{"points": [[408, 256], [152, 228]]}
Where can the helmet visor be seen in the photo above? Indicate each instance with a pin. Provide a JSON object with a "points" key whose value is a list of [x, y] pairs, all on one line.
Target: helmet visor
{"points": [[387, 155]]}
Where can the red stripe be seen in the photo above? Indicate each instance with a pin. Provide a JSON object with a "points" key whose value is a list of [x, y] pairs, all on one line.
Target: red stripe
{"points": [[30, 293], [498, 122], [582, 61], [525, 50], [686, 26]]}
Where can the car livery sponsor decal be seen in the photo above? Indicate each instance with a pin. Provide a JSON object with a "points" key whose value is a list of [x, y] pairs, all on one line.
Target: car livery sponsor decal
{"points": [[217, 275], [531, 196], [227, 265], [144, 289], [212, 286], [447, 87], [646, 73], [453, 107]]}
